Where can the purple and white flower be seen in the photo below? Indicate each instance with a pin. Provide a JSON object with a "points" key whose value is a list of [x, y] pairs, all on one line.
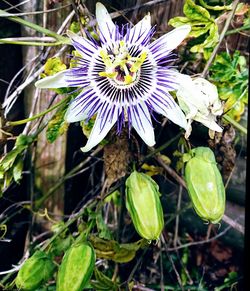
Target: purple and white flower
{"points": [[124, 78]]}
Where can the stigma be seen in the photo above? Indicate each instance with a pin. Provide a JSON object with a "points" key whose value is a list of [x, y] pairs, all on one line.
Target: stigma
{"points": [[121, 68]]}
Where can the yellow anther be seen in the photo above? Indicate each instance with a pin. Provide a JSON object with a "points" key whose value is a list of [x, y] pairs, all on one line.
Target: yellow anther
{"points": [[122, 43], [109, 75], [136, 66], [128, 79], [106, 58]]}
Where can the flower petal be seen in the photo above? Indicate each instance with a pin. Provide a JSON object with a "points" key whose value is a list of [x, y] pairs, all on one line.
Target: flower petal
{"points": [[163, 103], [108, 30], [58, 80], [208, 121], [169, 41], [176, 116], [141, 121], [191, 95], [105, 120], [84, 46], [83, 106], [140, 33]]}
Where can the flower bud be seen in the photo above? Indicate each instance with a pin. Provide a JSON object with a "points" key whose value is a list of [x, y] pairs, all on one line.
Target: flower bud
{"points": [[205, 185], [37, 270], [76, 268], [144, 205]]}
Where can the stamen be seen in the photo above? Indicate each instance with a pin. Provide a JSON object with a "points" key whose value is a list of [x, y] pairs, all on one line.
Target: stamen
{"points": [[121, 67], [106, 58], [109, 75], [138, 63]]}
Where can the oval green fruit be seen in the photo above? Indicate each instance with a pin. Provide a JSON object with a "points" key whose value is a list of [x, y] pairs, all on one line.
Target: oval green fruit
{"points": [[144, 205], [36, 270], [76, 268], [205, 185]]}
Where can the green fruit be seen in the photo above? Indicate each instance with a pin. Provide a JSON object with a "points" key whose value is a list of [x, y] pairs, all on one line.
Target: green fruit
{"points": [[205, 185], [144, 205], [37, 270], [76, 268]]}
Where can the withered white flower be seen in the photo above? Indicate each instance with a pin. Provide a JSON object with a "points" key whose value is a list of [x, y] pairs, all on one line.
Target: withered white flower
{"points": [[199, 99], [124, 78]]}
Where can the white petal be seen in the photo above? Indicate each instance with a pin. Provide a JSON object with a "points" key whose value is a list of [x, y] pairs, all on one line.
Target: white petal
{"points": [[84, 46], [56, 81], [172, 39], [106, 26], [209, 122], [188, 129], [81, 106], [141, 121], [207, 87], [139, 32], [191, 95], [105, 120], [176, 116], [165, 105]]}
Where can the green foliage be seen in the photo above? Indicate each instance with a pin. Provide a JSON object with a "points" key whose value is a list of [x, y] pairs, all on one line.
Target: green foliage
{"points": [[103, 282], [11, 165], [75, 27], [229, 282], [202, 24], [230, 74], [57, 125], [112, 250], [87, 126], [103, 230], [53, 66]]}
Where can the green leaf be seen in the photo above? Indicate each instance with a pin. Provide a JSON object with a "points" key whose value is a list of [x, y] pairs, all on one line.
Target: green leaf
{"points": [[53, 66], [112, 250], [75, 26], [103, 282], [179, 21], [196, 12], [57, 125], [60, 245], [8, 161], [198, 27], [103, 230], [209, 42], [230, 75], [202, 23], [24, 140], [18, 169]]}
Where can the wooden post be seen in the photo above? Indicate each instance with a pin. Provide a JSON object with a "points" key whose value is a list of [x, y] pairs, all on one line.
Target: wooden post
{"points": [[48, 159]]}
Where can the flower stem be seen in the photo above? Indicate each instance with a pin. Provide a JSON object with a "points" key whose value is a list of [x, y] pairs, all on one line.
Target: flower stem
{"points": [[236, 30], [90, 204], [235, 123], [31, 43], [34, 26], [23, 121], [222, 35]]}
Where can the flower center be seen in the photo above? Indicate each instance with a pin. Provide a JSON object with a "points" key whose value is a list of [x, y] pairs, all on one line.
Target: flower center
{"points": [[120, 67]]}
